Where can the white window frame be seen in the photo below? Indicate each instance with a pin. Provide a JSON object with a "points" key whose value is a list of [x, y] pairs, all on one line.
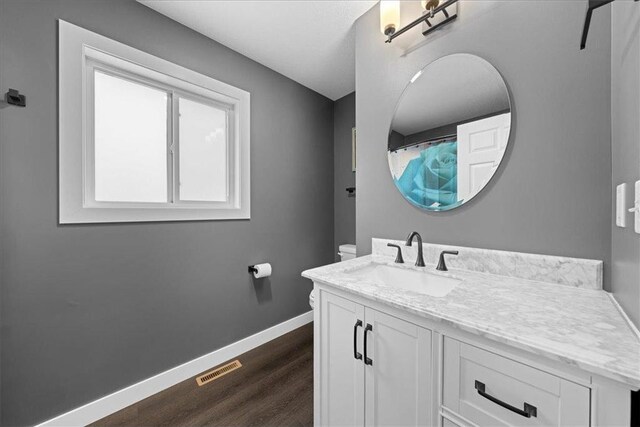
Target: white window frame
{"points": [[81, 52]]}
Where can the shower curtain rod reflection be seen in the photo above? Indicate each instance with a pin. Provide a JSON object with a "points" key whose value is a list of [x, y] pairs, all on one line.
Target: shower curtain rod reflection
{"points": [[434, 141]]}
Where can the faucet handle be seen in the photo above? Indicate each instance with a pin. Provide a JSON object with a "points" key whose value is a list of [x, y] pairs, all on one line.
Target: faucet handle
{"points": [[442, 265], [399, 259]]}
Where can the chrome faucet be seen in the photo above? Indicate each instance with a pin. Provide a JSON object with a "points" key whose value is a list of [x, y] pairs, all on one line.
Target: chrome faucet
{"points": [[420, 258]]}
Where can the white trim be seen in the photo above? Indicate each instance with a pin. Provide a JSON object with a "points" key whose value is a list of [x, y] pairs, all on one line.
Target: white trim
{"points": [[114, 402], [76, 47]]}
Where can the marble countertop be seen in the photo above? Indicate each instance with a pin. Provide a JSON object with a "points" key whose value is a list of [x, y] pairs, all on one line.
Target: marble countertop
{"points": [[576, 326]]}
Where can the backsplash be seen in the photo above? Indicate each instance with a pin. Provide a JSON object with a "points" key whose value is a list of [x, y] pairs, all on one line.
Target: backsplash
{"points": [[576, 272]]}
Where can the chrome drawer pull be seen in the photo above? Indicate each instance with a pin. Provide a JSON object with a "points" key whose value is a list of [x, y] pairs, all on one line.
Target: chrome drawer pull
{"points": [[528, 412]]}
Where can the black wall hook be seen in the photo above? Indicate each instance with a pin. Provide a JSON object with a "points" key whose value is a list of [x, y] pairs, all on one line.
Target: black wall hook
{"points": [[351, 191], [13, 97]]}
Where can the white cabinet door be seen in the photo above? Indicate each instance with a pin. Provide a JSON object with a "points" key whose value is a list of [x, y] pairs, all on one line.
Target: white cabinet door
{"points": [[448, 423], [398, 376], [341, 373]]}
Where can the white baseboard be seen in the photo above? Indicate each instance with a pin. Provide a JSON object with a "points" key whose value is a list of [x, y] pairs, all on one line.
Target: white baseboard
{"points": [[114, 402]]}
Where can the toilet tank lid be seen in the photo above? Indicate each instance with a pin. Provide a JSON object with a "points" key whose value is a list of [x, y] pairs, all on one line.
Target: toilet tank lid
{"points": [[348, 249]]}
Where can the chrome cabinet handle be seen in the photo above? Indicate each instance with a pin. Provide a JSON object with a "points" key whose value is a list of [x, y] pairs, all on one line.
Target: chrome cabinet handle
{"points": [[356, 354], [528, 411], [367, 360]]}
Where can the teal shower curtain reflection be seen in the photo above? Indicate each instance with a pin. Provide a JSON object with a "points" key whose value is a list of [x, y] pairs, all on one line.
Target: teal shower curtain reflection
{"points": [[430, 180]]}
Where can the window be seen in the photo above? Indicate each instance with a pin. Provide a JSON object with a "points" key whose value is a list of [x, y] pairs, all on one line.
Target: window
{"points": [[129, 141], [202, 152], [142, 139], [134, 155]]}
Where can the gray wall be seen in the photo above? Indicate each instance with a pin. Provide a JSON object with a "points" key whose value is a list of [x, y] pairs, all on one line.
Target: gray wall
{"points": [[344, 207], [625, 148], [552, 193], [87, 310]]}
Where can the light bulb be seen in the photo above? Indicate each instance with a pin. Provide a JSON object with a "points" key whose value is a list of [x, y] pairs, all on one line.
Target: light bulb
{"points": [[389, 16]]}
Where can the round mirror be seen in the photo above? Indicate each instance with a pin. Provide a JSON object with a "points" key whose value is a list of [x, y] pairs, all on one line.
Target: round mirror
{"points": [[449, 132]]}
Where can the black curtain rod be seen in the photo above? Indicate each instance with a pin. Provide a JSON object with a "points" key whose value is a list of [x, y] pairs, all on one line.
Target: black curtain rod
{"points": [[434, 141]]}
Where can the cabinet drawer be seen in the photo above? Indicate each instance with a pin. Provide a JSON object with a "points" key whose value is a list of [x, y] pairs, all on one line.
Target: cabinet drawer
{"points": [[491, 390]]}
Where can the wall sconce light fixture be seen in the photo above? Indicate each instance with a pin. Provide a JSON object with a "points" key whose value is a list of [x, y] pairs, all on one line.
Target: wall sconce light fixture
{"points": [[389, 16], [436, 14]]}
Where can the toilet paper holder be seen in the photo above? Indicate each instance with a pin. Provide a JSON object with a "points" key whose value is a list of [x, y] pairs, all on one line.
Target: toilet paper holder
{"points": [[260, 271]]}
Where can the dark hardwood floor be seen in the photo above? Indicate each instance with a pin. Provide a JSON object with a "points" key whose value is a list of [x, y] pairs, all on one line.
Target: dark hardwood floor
{"points": [[274, 387]]}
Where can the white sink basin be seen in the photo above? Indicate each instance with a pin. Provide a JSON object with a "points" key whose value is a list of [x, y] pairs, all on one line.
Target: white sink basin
{"points": [[421, 282]]}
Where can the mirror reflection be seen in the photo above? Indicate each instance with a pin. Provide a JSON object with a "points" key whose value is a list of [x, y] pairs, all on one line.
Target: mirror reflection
{"points": [[449, 132]]}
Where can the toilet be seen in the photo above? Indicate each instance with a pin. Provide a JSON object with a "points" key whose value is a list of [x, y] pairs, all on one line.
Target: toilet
{"points": [[346, 252]]}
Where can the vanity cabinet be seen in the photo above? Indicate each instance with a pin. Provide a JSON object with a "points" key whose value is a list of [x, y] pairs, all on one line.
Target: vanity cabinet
{"points": [[374, 369], [377, 365]]}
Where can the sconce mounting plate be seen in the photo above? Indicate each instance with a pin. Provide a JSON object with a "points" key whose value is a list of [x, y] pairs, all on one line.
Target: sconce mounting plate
{"points": [[448, 14]]}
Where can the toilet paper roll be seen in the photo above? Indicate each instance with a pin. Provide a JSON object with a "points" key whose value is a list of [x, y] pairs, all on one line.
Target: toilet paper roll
{"points": [[263, 270]]}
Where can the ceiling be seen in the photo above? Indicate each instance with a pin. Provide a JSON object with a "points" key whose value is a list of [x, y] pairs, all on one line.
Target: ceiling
{"points": [[450, 90], [311, 42]]}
